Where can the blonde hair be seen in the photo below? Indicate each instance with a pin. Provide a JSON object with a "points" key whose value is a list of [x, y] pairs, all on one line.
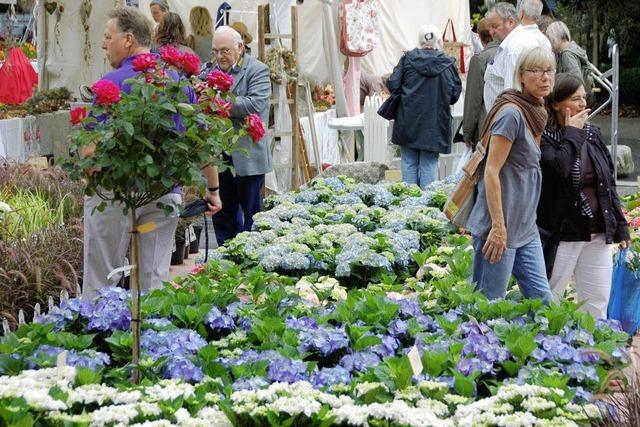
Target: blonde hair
{"points": [[200, 21], [533, 57], [558, 33]]}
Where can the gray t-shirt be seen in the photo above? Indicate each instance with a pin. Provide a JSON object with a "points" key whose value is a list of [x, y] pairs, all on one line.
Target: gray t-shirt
{"points": [[520, 180]]}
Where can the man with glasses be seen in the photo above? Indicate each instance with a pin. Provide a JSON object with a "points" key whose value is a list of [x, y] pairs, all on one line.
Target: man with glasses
{"points": [[513, 41], [241, 194]]}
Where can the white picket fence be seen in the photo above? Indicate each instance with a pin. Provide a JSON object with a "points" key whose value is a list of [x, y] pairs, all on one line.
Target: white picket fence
{"points": [[377, 139]]}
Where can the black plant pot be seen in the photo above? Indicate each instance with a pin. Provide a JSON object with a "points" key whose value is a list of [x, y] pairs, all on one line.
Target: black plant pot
{"points": [[177, 257], [194, 247]]}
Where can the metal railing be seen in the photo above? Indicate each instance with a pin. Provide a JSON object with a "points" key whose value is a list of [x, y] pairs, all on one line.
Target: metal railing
{"points": [[610, 81]]}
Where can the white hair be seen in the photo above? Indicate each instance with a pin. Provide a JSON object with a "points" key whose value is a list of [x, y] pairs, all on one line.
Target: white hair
{"points": [[429, 37], [530, 58], [558, 32], [532, 8], [224, 29]]}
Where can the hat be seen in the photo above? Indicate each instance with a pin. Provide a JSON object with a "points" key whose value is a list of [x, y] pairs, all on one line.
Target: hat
{"points": [[243, 30], [162, 3]]}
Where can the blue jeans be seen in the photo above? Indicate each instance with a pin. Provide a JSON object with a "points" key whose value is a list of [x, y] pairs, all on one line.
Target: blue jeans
{"points": [[526, 263], [419, 166]]}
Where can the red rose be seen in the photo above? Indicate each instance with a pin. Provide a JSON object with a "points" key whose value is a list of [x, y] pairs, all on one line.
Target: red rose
{"points": [[222, 107], [144, 62], [255, 127], [171, 55], [190, 64], [106, 92], [78, 114], [220, 80]]}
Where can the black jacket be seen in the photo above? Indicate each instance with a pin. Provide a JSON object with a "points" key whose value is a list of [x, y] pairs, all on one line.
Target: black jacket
{"points": [[429, 85], [558, 209]]}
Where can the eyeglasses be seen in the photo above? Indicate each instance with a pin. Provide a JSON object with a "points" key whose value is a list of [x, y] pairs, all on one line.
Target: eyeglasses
{"points": [[224, 51], [540, 73]]}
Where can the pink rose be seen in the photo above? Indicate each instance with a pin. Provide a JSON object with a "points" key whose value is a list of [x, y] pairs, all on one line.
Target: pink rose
{"points": [[255, 127], [171, 56], [222, 107], [77, 114], [635, 223], [190, 64], [106, 92], [144, 62], [220, 80]]}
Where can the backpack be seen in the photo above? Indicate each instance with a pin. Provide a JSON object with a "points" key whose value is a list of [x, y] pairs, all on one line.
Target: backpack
{"points": [[585, 70]]}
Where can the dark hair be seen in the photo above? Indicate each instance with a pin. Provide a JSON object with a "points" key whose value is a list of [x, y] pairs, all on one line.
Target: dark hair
{"points": [[483, 32], [131, 20], [566, 85], [170, 30]]}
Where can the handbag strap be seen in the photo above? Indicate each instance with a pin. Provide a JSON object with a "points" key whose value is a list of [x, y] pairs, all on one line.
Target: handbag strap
{"points": [[453, 31]]}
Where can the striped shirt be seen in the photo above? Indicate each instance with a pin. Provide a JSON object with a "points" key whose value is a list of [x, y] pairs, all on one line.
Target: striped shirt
{"points": [[500, 71]]}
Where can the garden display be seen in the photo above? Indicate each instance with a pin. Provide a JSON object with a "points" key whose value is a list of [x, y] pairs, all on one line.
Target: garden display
{"points": [[348, 305]]}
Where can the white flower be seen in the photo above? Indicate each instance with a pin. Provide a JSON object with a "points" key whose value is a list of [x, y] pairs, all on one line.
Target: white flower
{"points": [[295, 406], [517, 419], [455, 399], [536, 404], [168, 390], [214, 417], [115, 414], [366, 387], [4, 207], [157, 423]]}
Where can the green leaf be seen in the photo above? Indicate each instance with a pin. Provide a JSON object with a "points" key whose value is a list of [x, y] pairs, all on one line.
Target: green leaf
{"points": [[511, 367], [87, 376], [128, 128], [463, 385], [366, 341], [400, 370], [435, 362]]}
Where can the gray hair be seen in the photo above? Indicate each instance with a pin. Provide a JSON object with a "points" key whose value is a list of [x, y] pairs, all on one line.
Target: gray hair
{"points": [[529, 59], [558, 32], [225, 29], [429, 37], [504, 10], [132, 20], [532, 8]]}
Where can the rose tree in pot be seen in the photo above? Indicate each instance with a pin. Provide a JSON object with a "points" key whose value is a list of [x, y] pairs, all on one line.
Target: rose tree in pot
{"points": [[138, 144]]}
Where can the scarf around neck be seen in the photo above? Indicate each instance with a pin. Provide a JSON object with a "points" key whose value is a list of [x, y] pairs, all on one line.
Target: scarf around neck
{"points": [[532, 109]]}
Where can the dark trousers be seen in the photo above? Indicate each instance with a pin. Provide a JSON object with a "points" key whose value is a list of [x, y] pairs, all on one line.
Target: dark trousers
{"points": [[241, 199]]}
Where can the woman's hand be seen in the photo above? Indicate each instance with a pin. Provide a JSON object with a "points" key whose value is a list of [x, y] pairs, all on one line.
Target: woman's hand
{"points": [[625, 244], [213, 203], [496, 244], [577, 121]]}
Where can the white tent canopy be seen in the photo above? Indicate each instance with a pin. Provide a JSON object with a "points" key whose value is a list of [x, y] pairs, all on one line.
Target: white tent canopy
{"points": [[63, 40]]}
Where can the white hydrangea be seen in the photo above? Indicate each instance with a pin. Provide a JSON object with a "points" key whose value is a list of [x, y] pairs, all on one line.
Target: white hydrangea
{"points": [[295, 406], [438, 408], [169, 390], [156, 423], [93, 393], [536, 404], [365, 387], [455, 399], [114, 414], [214, 417], [517, 419]]}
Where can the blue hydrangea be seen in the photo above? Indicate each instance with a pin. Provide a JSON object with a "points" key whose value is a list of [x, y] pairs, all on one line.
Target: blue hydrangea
{"points": [[360, 361], [398, 328], [301, 323], [181, 367], [331, 376], [253, 383], [66, 312], [408, 307], [387, 347], [287, 371], [45, 355], [324, 340], [219, 322], [581, 372], [110, 311], [467, 366], [171, 343]]}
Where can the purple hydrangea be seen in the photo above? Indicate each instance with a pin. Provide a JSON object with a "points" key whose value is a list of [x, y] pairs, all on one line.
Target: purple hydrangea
{"points": [[176, 342], [581, 372], [64, 314], [614, 324], [583, 395], [387, 347], [578, 336], [219, 322], [585, 355], [451, 316], [287, 371], [360, 361], [398, 328], [301, 323], [180, 367], [253, 383], [232, 309], [467, 366], [110, 311], [325, 340], [408, 308], [331, 376], [45, 355], [426, 322], [159, 323], [554, 350]]}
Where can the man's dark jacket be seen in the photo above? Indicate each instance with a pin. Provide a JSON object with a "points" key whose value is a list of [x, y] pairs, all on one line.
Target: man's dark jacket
{"points": [[429, 85]]}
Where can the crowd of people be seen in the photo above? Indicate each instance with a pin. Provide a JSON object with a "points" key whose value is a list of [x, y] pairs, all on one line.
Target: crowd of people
{"points": [[546, 208], [233, 198]]}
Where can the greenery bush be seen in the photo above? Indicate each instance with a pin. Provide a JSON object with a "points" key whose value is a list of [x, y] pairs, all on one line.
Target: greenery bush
{"points": [[630, 85]]}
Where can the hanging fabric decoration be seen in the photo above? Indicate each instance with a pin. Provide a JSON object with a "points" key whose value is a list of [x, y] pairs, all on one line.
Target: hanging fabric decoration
{"points": [[358, 27]]}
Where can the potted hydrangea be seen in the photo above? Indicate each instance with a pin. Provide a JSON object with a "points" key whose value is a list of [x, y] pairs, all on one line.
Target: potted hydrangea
{"points": [[151, 139]]}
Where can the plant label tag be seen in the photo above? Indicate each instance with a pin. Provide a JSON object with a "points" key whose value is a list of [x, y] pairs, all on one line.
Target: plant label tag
{"points": [[61, 362], [415, 361], [192, 234], [146, 228]]}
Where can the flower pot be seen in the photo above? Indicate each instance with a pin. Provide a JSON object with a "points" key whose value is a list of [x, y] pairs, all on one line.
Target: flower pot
{"points": [[194, 247], [177, 257]]}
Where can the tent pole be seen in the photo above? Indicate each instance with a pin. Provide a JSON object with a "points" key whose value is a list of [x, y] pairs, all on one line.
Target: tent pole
{"points": [[41, 48]]}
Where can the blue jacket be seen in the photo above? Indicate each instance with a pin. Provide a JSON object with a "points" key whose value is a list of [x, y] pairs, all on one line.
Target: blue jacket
{"points": [[429, 84]]}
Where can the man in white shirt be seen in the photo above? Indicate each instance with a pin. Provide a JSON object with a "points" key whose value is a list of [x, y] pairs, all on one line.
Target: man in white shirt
{"points": [[499, 74]]}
